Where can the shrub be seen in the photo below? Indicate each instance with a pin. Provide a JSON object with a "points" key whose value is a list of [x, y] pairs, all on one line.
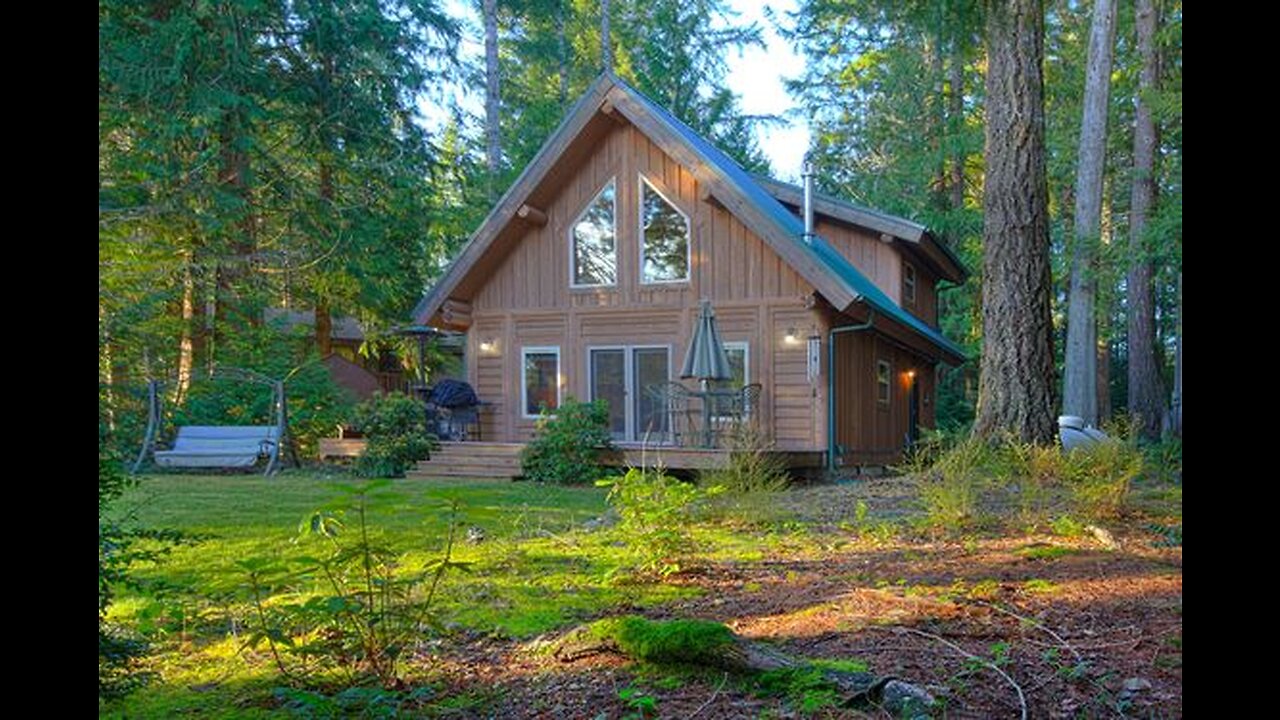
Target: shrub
{"points": [[118, 650], [567, 446], [1099, 476], [370, 608], [396, 428], [751, 468], [654, 512], [950, 488]]}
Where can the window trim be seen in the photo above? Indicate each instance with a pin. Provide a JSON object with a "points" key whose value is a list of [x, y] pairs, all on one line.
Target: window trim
{"points": [[887, 384], [525, 352], [909, 270], [573, 240], [745, 346], [688, 233], [630, 423]]}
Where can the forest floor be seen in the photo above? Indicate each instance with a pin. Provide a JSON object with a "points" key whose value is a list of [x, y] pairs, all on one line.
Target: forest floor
{"points": [[1077, 628]]}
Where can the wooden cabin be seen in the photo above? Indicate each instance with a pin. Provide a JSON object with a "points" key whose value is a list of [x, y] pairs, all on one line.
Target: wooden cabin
{"points": [[586, 277]]}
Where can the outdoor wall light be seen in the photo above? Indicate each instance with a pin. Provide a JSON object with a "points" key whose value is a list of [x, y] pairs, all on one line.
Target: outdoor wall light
{"points": [[488, 346], [792, 337]]}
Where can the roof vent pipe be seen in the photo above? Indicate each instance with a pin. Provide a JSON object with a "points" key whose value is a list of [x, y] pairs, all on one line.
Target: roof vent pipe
{"points": [[807, 174]]}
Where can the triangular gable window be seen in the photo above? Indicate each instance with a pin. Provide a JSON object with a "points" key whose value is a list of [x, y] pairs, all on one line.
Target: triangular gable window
{"points": [[594, 238], [665, 250]]}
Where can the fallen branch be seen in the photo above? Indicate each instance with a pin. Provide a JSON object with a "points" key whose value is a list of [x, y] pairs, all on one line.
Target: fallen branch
{"points": [[1039, 626], [714, 695], [1022, 698]]}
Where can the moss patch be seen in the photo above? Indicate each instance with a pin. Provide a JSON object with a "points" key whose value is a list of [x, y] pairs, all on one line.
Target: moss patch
{"points": [[665, 642]]}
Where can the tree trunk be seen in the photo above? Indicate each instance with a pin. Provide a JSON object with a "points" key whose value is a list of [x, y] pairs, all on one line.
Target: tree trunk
{"points": [[937, 116], [955, 113], [1175, 422], [1080, 381], [324, 328], [187, 336], [492, 130], [1015, 390], [606, 38], [1146, 387]]}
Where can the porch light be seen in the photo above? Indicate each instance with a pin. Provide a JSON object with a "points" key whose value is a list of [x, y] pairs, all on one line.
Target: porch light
{"points": [[792, 337], [488, 346]]}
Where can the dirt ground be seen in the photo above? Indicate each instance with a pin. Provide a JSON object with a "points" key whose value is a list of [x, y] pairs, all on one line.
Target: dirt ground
{"points": [[1079, 629]]}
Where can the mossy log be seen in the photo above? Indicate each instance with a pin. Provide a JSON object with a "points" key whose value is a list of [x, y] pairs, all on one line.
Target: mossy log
{"points": [[699, 643]]}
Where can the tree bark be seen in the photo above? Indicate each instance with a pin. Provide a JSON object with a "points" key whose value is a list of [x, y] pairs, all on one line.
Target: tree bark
{"points": [[606, 38], [1015, 390], [1175, 424], [1146, 386], [955, 113], [187, 335], [492, 100], [1080, 381]]}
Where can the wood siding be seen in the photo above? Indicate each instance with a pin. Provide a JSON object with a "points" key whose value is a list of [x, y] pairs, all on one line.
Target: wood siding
{"points": [[525, 298], [882, 263], [868, 431]]}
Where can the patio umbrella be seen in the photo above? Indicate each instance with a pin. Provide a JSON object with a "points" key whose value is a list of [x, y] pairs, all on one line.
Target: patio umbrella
{"points": [[705, 359]]}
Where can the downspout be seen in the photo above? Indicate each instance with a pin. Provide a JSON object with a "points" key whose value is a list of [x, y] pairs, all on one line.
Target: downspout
{"points": [[831, 380]]}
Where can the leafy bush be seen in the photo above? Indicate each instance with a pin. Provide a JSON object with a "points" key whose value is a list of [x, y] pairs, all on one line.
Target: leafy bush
{"points": [[369, 611], [396, 428], [118, 649], [316, 404], [566, 447], [654, 512]]}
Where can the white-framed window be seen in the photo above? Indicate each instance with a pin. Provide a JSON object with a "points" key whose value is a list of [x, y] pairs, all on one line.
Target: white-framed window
{"points": [[908, 283], [738, 353], [539, 379], [884, 381], [664, 237], [593, 260]]}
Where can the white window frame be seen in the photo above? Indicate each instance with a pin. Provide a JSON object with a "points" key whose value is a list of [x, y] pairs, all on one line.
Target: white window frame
{"points": [[688, 233], [888, 366], [909, 270], [630, 433], [573, 240], [745, 347], [525, 352]]}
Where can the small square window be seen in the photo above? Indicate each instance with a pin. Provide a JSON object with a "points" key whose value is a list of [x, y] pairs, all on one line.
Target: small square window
{"points": [[908, 284], [540, 380]]}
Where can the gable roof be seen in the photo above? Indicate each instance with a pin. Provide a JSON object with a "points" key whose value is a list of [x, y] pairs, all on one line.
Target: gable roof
{"points": [[821, 265], [948, 263]]}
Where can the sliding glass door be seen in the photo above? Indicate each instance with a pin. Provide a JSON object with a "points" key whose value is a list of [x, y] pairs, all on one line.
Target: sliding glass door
{"points": [[623, 375]]}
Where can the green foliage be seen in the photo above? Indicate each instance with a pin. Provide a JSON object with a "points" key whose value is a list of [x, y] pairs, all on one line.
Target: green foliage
{"points": [[808, 688], [665, 642], [567, 446], [640, 704], [368, 612], [368, 703], [654, 511], [960, 479], [751, 468], [119, 650], [396, 427], [950, 488]]}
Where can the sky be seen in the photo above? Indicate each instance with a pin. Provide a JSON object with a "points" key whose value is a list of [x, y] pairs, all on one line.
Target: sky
{"points": [[757, 75]]}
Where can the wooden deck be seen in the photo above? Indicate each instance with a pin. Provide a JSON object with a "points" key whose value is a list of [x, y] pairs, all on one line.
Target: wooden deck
{"points": [[502, 460]]}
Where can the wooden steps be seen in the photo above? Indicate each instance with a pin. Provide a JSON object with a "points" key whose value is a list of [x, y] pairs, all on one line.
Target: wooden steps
{"points": [[472, 459]]}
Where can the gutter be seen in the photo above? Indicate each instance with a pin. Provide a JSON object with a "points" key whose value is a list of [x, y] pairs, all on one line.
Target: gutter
{"points": [[831, 379]]}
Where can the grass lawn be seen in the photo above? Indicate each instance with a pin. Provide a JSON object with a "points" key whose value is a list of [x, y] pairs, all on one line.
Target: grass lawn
{"points": [[531, 573]]}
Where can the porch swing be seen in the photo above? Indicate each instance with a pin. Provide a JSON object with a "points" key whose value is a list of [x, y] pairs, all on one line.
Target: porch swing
{"points": [[221, 446]]}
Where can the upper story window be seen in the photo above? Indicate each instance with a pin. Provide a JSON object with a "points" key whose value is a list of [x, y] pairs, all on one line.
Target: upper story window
{"points": [[908, 283], [594, 238], [664, 251]]}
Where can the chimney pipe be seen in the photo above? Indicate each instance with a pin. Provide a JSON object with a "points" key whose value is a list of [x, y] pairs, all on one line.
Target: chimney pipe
{"points": [[807, 174]]}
